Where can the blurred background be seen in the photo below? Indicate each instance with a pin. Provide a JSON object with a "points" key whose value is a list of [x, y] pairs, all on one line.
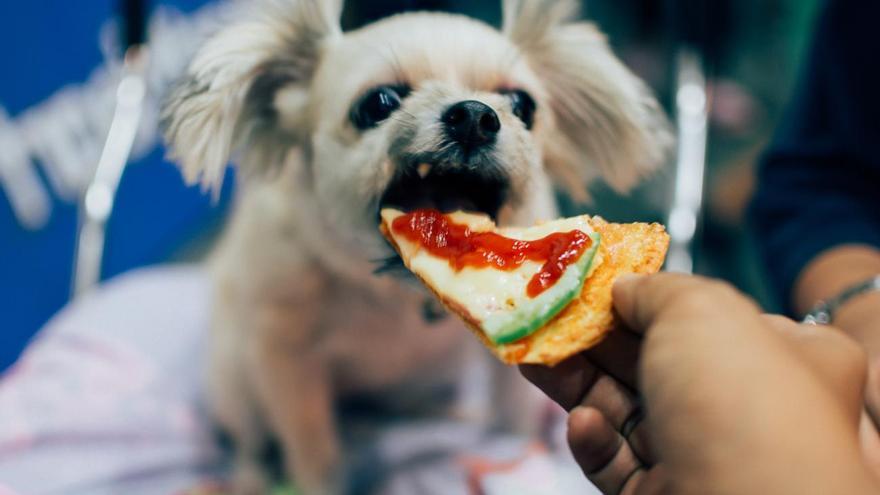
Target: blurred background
{"points": [[64, 76], [61, 65]]}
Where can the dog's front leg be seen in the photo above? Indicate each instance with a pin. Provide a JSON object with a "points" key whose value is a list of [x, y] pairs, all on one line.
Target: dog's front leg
{"points": [[295, 387]]}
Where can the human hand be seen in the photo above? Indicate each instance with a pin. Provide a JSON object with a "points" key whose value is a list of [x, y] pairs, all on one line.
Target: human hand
{"points": [[826, 277], [861, 320], [737, 402]]}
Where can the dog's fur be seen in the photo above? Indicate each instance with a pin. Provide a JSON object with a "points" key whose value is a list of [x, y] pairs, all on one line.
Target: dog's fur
{"points": [[299, 317]]}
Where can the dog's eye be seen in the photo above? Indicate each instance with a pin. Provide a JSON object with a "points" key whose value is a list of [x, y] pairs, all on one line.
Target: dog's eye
{"points": [[523, 106], [376, 105]]}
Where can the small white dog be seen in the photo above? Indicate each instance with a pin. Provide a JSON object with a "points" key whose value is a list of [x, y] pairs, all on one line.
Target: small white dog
{"points": [[420, 109]]}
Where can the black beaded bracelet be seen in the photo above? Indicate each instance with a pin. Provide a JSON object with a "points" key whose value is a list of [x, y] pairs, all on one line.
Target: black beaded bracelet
{"points": [[823, 313]]}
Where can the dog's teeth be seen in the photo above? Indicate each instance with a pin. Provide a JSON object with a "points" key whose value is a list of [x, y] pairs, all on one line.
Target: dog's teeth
{"points": [[423, 169]]}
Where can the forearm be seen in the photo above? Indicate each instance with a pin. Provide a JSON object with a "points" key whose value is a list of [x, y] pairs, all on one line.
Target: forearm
{"points": [[832, 272]]}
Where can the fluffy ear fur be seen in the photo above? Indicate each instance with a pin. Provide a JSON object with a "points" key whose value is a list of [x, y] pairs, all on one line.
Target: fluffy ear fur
{"points": [[227, 99], [608, 120]]}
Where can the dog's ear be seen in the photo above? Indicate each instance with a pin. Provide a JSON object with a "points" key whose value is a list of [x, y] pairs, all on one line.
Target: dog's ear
{"points": [[228, 100], [607, 120]]}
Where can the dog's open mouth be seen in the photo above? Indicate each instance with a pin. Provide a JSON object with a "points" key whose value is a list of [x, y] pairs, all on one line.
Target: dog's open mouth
{"points": [[446, 189]]}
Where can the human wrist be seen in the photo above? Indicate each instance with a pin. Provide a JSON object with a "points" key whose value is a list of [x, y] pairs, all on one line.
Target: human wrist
{"points": [[832, 273], [860, 319]]}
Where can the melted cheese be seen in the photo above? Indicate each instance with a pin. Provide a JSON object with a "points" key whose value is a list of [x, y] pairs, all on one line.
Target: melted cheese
{"points": [[490, 296]]}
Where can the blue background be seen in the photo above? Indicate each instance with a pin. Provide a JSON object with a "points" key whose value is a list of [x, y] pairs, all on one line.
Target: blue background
{"points": [[44, 46]]}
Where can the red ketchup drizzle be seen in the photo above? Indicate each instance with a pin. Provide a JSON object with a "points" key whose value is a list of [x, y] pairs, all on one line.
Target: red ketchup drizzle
{"points": [[456, 243]]}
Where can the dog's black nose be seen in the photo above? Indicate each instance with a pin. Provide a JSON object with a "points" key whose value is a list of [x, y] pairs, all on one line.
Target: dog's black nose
{"points": [[471, 124]]}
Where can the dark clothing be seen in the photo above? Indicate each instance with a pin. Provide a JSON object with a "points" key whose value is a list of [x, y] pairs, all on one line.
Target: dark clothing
{"points": [[819, 183]]}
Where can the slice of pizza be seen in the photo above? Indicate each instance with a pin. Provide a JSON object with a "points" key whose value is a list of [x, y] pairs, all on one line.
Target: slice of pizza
{"points": [[532, 295]]}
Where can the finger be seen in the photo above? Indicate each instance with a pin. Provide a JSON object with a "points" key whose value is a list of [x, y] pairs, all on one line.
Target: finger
{"points": [[618, 355], [600, 451], [576, 382], [566, 383], [622, 411], [640, 441], [650, 482], [613, 400], [641, 299]]}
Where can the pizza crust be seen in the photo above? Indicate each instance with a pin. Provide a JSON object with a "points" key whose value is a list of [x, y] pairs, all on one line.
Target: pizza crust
{"points": [[625, 248]]}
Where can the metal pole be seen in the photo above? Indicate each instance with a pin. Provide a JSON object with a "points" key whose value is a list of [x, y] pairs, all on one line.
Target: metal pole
{"points": [[96, 204], [691, 104]]}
